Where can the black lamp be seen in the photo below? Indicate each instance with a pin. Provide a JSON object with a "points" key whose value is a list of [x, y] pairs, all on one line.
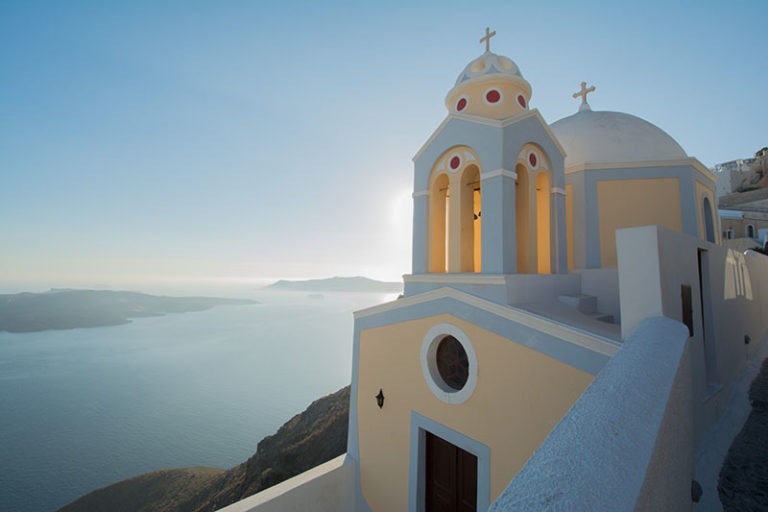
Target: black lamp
{"points": [[380, 398]]}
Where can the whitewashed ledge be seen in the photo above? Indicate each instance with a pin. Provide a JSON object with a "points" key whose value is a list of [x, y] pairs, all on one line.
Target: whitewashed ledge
{"points": [[324, 488], [627, 443]]}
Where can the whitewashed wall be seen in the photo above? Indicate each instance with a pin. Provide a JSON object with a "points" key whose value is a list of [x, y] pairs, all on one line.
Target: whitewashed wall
{"points": [[324, 488], [627, 443]]}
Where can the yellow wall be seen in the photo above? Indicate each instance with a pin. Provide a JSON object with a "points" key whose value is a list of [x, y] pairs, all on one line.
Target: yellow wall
{"points": [[520, 396], [739, 226], [632, 203], [476, 106], [543, 223], [438, 225]]}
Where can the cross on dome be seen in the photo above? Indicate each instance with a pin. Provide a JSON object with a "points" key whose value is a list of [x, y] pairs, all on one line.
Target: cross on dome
{"points": [[487, 39], [583, 93]]}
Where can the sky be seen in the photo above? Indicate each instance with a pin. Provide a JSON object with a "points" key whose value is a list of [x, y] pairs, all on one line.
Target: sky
{"points": [[244, 141]]}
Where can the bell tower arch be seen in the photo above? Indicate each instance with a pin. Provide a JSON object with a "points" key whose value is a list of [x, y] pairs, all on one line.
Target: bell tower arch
{"points": [[489, 187], [455, 212]]}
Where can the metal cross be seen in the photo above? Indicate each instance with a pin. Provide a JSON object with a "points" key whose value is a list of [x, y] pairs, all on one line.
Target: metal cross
{"points": [[487, 38], [583, 93]]}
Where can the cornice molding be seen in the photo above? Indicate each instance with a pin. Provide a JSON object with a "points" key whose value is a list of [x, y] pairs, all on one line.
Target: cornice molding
{"points": [[548, 326]]}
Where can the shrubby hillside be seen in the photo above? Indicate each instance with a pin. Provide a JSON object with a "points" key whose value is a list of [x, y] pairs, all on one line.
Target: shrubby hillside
{"points": [[310, 438]]}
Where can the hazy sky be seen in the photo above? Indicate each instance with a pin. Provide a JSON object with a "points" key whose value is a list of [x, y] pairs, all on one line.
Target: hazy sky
{"points": [[255, 139]]}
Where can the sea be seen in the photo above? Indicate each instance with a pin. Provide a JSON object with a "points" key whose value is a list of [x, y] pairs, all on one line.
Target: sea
{"points": [[83, 408]]}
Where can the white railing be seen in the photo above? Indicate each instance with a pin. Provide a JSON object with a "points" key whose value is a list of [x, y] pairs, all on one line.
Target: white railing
{"points": [[627, 444], [324, 488]]}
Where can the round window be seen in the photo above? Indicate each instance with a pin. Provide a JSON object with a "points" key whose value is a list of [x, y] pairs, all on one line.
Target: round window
{"points": [[449, 363], [492, 96], [452, 362]]}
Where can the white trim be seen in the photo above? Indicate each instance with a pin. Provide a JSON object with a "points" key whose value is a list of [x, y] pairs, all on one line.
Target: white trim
{"points": [[558, 190], [498, 172], [428, 359], [446, 278], [536, 157], [337, 472], [420, 193], [567, 333], [495, 123], [523, 157], [451, 156], [420, 425], [493, 104], [682, 162]]}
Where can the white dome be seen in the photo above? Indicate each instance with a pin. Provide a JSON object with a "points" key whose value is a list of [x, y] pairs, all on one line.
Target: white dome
{"points": [[490, 64], [607, 137]]}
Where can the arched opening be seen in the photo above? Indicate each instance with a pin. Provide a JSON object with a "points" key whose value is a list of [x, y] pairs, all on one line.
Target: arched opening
{"points": [[522, 221], [543, 223], [439, 210], [709, 227], [470, 220], [750, 231]]}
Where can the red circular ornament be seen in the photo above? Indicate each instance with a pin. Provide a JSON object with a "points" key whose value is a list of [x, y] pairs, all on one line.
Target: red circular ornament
{"points": [[533, 160], [461, 104], [521, 100], [455, 162], [493, 96]]}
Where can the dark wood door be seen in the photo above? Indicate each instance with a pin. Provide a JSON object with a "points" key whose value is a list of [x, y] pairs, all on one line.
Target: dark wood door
{"points": [[451, 477]]}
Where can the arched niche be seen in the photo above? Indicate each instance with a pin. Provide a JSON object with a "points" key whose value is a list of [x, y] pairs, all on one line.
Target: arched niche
{"points": [[709, 225], [522, 210], [439, 210], [454, 212], [471, 218], [533, 210]]}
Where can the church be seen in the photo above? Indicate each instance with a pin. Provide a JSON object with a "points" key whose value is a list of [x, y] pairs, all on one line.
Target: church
{"points": [[563, 275]]}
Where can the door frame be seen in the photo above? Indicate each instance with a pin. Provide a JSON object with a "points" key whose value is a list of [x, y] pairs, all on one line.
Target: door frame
{"points": [[417, 468]]}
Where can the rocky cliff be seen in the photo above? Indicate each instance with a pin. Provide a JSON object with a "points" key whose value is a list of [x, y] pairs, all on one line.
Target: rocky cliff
{"points": [[315, 436]]}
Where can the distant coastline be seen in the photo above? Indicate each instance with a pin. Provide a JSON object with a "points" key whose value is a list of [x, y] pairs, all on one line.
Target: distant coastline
{"points": [[72, 309], [338, 284]]}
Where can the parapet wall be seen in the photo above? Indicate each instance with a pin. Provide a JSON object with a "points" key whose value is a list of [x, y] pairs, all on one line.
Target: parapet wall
{"points": [[627, 443], [324, 488], [727, 297]]}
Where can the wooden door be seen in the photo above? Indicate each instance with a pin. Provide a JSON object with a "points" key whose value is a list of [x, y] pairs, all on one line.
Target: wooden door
{"points": [[451, 477]]}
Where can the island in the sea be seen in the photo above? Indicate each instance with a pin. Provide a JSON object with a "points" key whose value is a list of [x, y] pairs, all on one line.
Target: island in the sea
{"points": [[71, 309], [339, 284]]}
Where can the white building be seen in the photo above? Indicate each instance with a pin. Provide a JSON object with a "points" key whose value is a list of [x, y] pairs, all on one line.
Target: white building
{"points": [[571, 328]]}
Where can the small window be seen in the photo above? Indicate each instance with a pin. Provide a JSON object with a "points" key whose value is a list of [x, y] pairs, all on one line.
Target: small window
{"points": [[750, 231]]}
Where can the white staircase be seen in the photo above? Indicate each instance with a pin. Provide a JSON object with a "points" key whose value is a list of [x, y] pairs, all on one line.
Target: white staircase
{"points": [[586, 304]]}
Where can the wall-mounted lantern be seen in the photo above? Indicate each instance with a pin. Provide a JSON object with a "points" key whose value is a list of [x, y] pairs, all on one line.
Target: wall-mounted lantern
{"points": [[380, 399]]}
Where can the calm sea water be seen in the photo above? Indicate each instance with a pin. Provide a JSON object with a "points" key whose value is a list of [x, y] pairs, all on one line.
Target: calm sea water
{"points": [[84, 408]]}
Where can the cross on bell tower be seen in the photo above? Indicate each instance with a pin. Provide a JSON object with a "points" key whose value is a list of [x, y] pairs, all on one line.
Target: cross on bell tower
{"points": [[487, 39], [583, 93]]}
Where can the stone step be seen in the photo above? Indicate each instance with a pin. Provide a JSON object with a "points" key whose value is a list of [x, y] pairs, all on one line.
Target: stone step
{"points": [[602, 317], [586, 304]]}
